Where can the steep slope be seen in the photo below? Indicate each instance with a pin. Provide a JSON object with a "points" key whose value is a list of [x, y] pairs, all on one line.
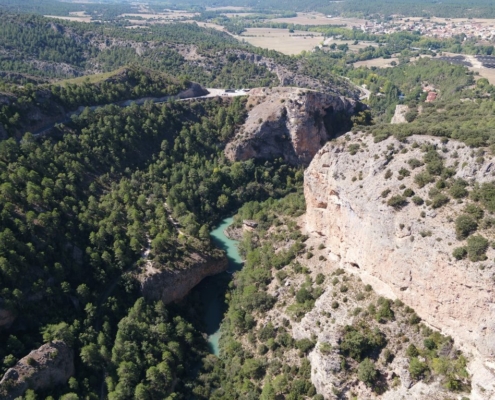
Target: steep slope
{"points": [[291, 123], [50, 365], [174, 285], [37, 109], [363, 209]]}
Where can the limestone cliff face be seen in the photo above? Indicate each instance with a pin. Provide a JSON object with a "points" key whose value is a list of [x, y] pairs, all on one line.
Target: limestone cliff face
{"points": [[400, 114], [406, 254], [174, 285], [50, 365], [290, 123]]}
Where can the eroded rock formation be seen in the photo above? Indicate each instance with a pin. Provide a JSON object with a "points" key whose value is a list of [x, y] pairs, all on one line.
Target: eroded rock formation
{"points": [[406, 253], [289, 123], [50, 365], [172, 285], [400, 114]]}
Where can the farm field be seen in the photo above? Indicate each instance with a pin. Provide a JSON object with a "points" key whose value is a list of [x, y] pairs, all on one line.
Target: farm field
{"points": [[376, 62], [320, 19], [79, 16], [352, 47], [281, 40]]}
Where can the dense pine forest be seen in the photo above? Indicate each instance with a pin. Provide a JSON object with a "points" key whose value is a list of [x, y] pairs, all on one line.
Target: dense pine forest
{"points": [[95, 189], [423, 8]]}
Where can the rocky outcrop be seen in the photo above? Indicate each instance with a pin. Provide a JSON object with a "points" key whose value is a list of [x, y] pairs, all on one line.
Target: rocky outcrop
{"points": [[295, 76], [194, 90], [173, 285], [400, 114], [50, 365], [406, 253], [289, 123]]}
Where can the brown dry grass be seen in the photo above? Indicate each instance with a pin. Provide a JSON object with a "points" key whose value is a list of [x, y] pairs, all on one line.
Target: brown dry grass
{"points": [[71, 18], [377, 62], [320, 19], [281, 40]]}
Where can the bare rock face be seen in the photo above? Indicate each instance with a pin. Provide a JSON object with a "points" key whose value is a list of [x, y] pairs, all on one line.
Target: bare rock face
{"points": [[400, 114], [406, 253], [173, 285], [50, 365], [194, 90], [289, 123]]}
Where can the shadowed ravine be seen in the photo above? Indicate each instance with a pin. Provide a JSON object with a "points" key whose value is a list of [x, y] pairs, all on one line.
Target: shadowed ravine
{"points": [[212, 290]]}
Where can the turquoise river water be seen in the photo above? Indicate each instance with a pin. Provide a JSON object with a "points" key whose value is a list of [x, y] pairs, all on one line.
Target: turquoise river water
{"points": [[212, 290]]}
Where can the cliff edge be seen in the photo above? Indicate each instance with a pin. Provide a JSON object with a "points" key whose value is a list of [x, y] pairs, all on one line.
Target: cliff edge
{"points": [[290, 123], [50, 365], [173, 285], [402, 241]]}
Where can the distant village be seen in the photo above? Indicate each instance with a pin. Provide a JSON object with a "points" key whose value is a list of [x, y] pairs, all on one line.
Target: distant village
{"points": [[442, 29]]}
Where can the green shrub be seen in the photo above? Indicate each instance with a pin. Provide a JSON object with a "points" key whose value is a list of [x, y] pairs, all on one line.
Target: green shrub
{"points": [[435, 167], [439, 200], [325, 348], [458, 189], [353, 148], [417, 368], [367, 372], [414, 319], [415, 163], [385, 193], [441, 184], [429, 344], [359, 340], [281, 276], [305, 345], [459, 253], [387, 356], [465, 225], [303, 295], [404, 172], [417, 200], [320, 278], [475, 211], [397, 202], [486, 194], [423, 178], [412, 351], [410, 116], [384, 312], [477, 247], [408, 192]]}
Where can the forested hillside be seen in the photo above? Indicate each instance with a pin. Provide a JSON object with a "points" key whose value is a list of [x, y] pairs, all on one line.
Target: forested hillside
{"points": [[35, 48], [422, 8], [77, 212], [98, 193]]}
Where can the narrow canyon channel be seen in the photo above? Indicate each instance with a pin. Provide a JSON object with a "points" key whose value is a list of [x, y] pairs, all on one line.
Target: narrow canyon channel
{"points": [[212, 290]]}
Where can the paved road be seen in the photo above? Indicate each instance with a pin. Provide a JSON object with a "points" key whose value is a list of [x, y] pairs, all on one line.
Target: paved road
{"points": [[212, 92]]}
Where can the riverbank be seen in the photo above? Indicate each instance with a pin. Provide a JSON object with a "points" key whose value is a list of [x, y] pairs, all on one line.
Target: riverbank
{"points": [[213, 289]]}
